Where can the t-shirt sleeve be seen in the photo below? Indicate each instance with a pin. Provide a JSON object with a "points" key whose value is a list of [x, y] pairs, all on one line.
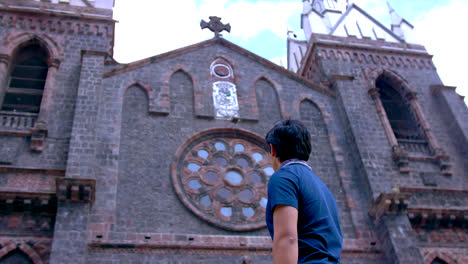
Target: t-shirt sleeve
{"points": [[283, 190]]}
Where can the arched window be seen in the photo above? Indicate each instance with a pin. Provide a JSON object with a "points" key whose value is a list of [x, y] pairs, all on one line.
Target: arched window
{"points": [[27, 79], [398, 112]]}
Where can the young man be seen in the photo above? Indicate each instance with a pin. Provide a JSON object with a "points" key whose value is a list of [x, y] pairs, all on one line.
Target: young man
{"points": [[301, 214]]}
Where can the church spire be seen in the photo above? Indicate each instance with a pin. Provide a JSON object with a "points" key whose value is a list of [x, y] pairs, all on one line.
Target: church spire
{"points": [[402, 28], [396, 19]]}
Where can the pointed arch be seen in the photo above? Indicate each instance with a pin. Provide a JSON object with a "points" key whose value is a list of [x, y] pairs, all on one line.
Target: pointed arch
{"points": [[399, 113], [26, 81], [181, 94], [268, 99], [441, 257], [147, 88], [163, 101], [12, 43], [385, 84], [24, 248]]}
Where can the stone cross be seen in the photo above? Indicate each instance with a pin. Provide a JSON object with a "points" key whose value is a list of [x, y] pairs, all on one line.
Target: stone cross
{"points": [[215, 25]]}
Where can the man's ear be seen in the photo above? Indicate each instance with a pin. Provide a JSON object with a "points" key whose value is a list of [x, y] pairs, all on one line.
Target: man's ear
{"points": [[272, 150]]}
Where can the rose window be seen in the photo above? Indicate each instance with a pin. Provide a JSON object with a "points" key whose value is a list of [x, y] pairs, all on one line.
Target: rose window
{"points": [[222, 177]]}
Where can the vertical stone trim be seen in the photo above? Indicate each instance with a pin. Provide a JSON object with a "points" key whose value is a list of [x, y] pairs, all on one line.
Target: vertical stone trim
{"points": [[70, 234], [433, 144], [49, 88], [4, 62], [81, 157], [400, 156], [374, 93], [396, 234], [40, 129], [71, 226]]}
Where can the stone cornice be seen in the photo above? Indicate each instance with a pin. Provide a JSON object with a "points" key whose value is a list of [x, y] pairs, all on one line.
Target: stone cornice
{"points": [[56, 9], [436, 89], [14, 169], [367, 54], [33, 20], [211, 244]]}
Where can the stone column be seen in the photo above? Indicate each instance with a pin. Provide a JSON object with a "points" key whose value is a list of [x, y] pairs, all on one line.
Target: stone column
{"points": [[40, 129], [433, 143], [46, 102], [4, 61], [374, 93], [399, 155]]}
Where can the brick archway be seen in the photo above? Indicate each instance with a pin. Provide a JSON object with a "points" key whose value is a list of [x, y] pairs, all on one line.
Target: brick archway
{"points": [[23, 247]]}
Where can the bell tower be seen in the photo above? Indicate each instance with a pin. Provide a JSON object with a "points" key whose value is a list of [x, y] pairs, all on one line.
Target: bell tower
{"points": [[393, 102], [43, 48]]}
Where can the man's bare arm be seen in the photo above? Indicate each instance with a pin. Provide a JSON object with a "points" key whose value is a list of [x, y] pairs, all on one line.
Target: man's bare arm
{"points": [[285, 247]]}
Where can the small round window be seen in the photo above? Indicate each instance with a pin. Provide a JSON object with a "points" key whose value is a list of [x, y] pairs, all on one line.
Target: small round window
{"points": [[222, 177]]}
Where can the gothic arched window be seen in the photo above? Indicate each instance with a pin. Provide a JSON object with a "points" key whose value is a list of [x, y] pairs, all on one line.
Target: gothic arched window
{"points": [[27, 79], [399, 113]]}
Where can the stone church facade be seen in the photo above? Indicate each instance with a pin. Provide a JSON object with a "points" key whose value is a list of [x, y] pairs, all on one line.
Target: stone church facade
{"points": [[162, 160]]}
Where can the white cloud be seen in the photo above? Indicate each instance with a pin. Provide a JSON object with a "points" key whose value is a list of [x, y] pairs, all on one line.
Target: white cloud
{"points": [[281, 61], [149, 28], [441, 30], [248, 19]]}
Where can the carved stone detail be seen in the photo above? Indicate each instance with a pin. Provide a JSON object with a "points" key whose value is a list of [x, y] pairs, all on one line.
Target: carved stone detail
{"points": [[215, 25], [390, 203], [74, 190]]}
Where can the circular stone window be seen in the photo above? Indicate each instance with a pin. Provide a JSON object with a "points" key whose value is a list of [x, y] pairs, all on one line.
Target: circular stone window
{"points": [[221, 175]]}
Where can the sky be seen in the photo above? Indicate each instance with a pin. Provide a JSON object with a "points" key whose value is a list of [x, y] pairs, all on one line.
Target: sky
{"points": [[147, 28]]}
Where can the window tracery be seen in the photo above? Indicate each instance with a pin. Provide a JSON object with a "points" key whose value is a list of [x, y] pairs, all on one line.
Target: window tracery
{"points": [[222, 177]]}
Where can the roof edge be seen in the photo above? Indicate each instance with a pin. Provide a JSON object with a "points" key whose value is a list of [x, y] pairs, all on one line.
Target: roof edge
{"points": [[217, 40]]}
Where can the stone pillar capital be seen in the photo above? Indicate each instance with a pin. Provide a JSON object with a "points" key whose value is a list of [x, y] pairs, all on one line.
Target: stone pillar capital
{"points": [[411, 96], [54, 63], [5, 58], [374, 92]]}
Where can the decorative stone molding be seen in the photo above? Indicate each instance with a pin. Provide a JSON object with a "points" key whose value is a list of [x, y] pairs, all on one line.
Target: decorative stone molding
{"points": [[423, 61], [16, 124], [23, 247], [401, 158], [15, 39], [335, 78], [436, 89], [75, 190], [38, 136], [400, 155], [449, 255], [5, 59], [221, 176], [58, 24], [165, 243], [389, 203], [28, 200], [434, 218]]}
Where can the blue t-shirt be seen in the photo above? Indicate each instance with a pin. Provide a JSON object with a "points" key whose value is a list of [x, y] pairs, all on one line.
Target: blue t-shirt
{"points": [[319, 233]]}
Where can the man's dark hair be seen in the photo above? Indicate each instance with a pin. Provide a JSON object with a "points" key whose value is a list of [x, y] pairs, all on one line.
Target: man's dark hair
{"points": [[291, 140]]}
